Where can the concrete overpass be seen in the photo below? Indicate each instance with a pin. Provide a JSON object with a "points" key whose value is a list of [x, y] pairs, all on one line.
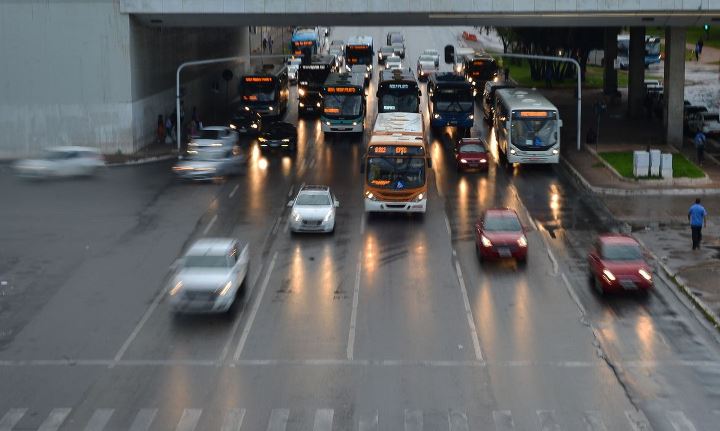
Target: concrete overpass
{"points": [[99, 72]]}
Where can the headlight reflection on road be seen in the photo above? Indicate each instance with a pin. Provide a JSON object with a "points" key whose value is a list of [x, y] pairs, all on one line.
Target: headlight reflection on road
{"points": [[555, 201], [262, 163], [370, 258], [286, 165], [646, 334]]}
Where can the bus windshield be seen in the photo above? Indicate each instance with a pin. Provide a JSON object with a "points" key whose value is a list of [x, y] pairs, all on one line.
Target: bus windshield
{"points": [[342, 105], [396, 173], [535, 133], [359, 55], [482, 70], [454, 100], [258, 92], [399, 101]]}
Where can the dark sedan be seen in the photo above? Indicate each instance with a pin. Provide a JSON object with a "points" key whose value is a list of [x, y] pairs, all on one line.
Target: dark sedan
{"points": [[279, 135], [246, 121]]}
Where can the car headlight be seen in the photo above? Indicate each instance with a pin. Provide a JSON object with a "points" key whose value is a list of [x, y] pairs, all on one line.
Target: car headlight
{"points": [[254, 125], [646, 275], [176, 289], [483, 160], [302, 105], [232, 126], [512, 151], [436, 116], [328, 217], [369, 67], [485, 241], [463, 161], [271, 108], [225, 289], [301, 91], [286, 140], [317, 104], [261, 139], [419, 197], [609, 275], [296, 216], [355, 123], [522, 241], [370, 196], [247, 108]]}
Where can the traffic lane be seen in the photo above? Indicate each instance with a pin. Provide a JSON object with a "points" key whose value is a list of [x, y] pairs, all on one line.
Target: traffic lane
{"points": [[410, 302], [109, 253]]}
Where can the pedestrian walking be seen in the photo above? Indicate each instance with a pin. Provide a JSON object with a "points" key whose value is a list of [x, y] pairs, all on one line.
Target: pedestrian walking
{"points": [[697, 216], [699, 46], [264, 44], [507, 74], [700, 141], [169, 135]]}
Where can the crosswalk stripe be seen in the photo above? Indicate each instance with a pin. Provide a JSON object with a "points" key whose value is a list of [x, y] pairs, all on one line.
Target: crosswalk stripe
{"points": [[458, 421], [368, 423], [413, 420], [233, 420], [189, 420], [323, 420], [594, 421], [503, 420], [278, 419], [679, 421], [547, 420], [99, 419], [54, 420], [143, 420], [11, 418], [637, 420]]}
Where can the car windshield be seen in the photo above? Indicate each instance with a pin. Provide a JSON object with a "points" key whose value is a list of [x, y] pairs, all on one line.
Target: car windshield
{"points": [[57, 155], [472, 148], [621, 252], [342, 105], [427, 59], [454, 100], [312, 199], [396, 172], [502, 224], [209, 134], [206, 261]]}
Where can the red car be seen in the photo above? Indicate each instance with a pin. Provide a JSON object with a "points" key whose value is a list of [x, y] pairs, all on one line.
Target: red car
{"points": [[499, 234], [616, 263], [471, 153]]}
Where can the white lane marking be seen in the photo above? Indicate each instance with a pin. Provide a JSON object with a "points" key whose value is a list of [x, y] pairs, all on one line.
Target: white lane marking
{"points": [[353, 313], [54, 420], [363, 216], [458, 421], [256, 306], [413, 420], [189, 420], [368, 423], [233, 420], [468, 312], [323, 420], [143, 420], [11, 418], [290, 192], [594, 421], [503, 420], [99, 419], [547, 421], [550, 254], [276, 225], [212, 222], [572, 293], [139, 326], [637, 420], [447, 225], [278, 420], [234, 190], [679, 421]]}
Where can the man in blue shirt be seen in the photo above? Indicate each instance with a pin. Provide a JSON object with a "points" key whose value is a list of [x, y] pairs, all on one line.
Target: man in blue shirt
{"points": [[698, 218]]}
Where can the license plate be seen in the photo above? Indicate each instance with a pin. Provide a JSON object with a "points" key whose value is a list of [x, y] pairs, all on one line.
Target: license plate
{"points": [[453, 123], [242, 129], [504, 252], [628, 284]]}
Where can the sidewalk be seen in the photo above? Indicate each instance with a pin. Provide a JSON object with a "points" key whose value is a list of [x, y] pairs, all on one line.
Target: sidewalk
{"points": [[147, 154]]}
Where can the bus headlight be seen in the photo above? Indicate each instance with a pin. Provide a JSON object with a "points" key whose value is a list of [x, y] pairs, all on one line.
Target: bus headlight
{"points": [[254, 125], [301, 91], [317, 104], [370, 195], [512, 151], [247, 108], [302, 105], [471, 117], [327, 123], [522, 241], [271, 108], [419, 197], [555, 152], [436, 116], [355, 123], [485, 241]]}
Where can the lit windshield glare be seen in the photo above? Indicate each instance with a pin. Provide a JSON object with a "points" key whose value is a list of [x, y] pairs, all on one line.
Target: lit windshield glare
{"points": [[502, 224], [621, 252], [342, 105], [396, 172], [312, 199], [206, 261]]}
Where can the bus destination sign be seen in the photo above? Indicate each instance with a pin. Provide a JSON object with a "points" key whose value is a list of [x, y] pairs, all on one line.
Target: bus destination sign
{"points": [[342, 90], [258, 79], [402, 86], [397, 150], [533, 114]]}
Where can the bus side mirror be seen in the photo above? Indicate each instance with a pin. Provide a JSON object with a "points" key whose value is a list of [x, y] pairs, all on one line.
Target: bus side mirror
{"points": [[429, 162], [419, 93]]}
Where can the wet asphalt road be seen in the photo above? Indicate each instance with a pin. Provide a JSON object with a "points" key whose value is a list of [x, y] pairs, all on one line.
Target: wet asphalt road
{"points": [[388, 324]]}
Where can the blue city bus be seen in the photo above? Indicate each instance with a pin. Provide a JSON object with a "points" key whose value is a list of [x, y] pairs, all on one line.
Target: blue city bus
{"points": [[450, 101], [305, 42]]}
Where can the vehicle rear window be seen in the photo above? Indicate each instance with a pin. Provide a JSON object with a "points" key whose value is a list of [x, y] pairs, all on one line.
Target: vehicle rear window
{"points": [[502, 224], [472, 148], [209, 134], [621, 252]]}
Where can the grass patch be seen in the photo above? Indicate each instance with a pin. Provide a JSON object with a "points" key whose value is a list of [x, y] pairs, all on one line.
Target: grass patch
{"points": [[696, 33], [622, 161]]}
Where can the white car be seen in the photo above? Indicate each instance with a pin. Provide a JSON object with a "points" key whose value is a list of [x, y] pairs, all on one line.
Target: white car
{"points": [[208, 277], [393, 62], [214, 136], [61, 162], [434, 54], [208, 164], [292, 68], [426, 66], [313, 210]]}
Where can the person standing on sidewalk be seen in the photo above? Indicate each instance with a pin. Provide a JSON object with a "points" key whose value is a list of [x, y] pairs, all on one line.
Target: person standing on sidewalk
{"points": [[700, 141], [698, 219], [264, 44]]}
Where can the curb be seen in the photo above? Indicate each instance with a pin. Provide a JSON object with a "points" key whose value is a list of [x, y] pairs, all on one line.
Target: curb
{"points": [[607, 191], [144, 161], [709, 314]]}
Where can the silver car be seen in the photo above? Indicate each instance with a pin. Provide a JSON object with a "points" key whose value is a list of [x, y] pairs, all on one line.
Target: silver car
{"points": [[426, 66], [292, 68], [208, 164], [214, 137], [393, 62], [61, 162], [209, 276], [313, 210]]}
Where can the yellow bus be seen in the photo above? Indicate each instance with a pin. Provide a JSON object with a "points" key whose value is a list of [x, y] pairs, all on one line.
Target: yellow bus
{"points": [[396, 164]]}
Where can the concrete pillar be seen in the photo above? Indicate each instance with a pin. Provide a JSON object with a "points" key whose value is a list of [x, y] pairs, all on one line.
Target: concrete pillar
{"points": [[636, 72], [674, 84], [610, 80], [245, 48]]}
